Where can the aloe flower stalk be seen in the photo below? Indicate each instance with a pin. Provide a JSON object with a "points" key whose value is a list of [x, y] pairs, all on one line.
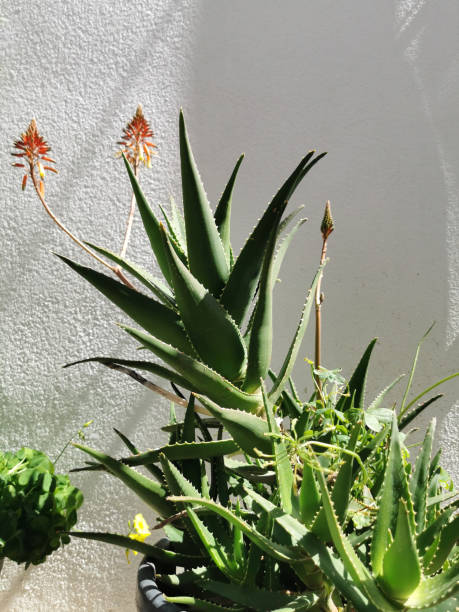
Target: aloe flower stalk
{"points": [[137, 147], [33, 149], [326, 229]]}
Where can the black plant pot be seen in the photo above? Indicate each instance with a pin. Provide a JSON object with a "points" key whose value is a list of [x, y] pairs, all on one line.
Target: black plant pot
{"points": [[148, 596]]}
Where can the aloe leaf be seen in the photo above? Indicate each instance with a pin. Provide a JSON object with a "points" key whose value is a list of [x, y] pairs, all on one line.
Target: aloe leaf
{"points": [[430, 534], [283, 247], [282, 465], [184, 450], [278, 551], [413, 368], [153, 469], [357, 382], [350, 559], [222, 213], [201, 605], [288, 218], [419, 480], [427, 390], [206, 254], [376, 403], [289, 361], [406, 420], [309, 496], [186, 582], [247, 430], [213, 546], [212, 331], [148, 490], [175, 238], [261, 332], [260, 599], [155, 552], [199, 375], [434, 590], [148, 366], [242, 282], [341, 489], [155, 286], [212, 542], [153, 316], [335, 569], [150, 222], [178, 223], [401, 567], [249, 471], [395, 488], [448, 540]]}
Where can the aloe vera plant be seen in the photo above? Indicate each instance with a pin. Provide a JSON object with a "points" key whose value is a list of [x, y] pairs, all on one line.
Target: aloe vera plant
{"points": [[196, 321], [270, 501]]}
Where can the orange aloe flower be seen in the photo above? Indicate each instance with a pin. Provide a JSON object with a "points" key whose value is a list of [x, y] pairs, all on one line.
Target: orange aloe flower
{"points": [[34, 149], [136, 143]]}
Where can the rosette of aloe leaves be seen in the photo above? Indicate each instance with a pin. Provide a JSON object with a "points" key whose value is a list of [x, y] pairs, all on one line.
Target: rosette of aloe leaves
{"points": [[290, 523]]}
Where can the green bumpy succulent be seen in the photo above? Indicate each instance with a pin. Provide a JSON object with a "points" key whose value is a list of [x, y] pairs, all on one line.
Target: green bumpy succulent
{"points": [[37, 507], [197, 325]]}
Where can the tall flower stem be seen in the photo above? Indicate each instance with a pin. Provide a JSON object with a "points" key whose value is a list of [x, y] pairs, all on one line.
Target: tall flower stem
{"points": [[130, 219], [326, 229], [61, 226]]}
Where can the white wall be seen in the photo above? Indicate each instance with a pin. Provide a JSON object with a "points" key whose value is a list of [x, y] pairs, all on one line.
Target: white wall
{"points": [[375, 84]]}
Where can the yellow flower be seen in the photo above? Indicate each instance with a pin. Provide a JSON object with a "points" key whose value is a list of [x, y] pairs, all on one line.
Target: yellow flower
{"points": [[140, 533]]}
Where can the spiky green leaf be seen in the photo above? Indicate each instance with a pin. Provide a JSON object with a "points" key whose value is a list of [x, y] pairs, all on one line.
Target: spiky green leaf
{"points": [[198, 374], [206, 254], [213, 333], [154, 317]]}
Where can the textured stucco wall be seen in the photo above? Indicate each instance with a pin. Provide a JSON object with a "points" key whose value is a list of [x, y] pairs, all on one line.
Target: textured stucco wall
{"points": [[374, 84]]}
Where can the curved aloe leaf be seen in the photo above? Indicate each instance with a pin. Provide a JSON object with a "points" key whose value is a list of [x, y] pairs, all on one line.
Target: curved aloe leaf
{"points": [[289, 361], [335, 569], [434, 590], [202, 377], [148, 490], [147, 366], [420, 479], [242, 282], [179, 246], [288, 554], [261, 599], [413, 368], [341, 489], [222, 213], [428, 389], [431, 535], [282, 465], [248, 431], [401, 567], [155, 286], [185, 450], [153, 316], [261, 332], [309, 497], [178, 223], [150, 222], [283, 247], [448, 540], [206, 254], [357, 382], [155, 552], [395, 488], [406, 420], [213, 333]]}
